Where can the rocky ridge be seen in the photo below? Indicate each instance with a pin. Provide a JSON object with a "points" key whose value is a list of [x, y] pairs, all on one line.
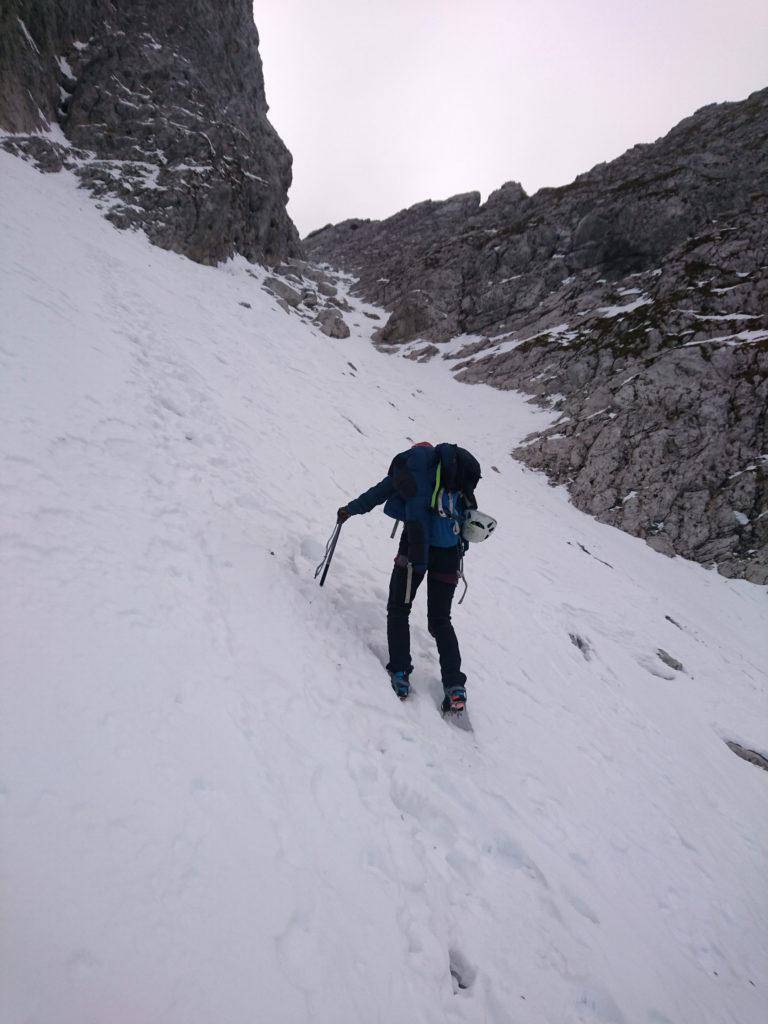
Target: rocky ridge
{"points": [[160, 109], [634, 302]]}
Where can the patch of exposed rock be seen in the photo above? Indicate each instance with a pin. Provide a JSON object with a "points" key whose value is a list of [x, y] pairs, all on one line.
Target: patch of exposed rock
{"points": [[662, 429], [634, 302], [310, 292], [752, 756], [163, 114], [333, 324]]}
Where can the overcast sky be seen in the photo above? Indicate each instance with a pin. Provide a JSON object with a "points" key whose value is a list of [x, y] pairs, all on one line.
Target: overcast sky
{"points": [[384, 103]]}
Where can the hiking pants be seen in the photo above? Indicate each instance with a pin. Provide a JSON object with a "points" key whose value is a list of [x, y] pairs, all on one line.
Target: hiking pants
{"points": [[442, 578]]}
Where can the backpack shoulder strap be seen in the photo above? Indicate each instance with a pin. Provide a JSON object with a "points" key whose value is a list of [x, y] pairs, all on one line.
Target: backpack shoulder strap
{"points": [[438, 480]]}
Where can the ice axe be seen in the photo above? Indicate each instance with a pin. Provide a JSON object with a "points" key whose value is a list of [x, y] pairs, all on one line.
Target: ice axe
{"points": [[330, 547]]}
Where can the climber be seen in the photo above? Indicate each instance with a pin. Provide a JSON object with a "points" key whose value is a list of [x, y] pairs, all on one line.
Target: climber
{"points": [[430, 489]]}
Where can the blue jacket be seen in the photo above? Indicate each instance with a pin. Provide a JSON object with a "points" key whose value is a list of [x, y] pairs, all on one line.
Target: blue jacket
{"points": [[407, 493]]}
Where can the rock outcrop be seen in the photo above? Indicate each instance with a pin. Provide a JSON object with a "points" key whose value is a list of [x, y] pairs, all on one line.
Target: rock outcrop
{"points": [[310, 293], [634, 302], [163, 115]]}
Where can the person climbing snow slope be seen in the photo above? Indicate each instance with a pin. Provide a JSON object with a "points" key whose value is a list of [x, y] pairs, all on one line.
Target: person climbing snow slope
{"points": [[429, 489]]}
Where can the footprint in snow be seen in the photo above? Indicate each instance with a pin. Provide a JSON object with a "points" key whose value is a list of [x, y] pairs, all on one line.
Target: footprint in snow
{"points": [[248, 501], [580, 906], [311, 549], [595, 1005], [583, 645], [463, 974], [651, 665]]}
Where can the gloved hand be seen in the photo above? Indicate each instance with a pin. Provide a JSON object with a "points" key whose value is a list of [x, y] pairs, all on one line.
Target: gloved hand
{"points": [[464, 546], [342, 515]]}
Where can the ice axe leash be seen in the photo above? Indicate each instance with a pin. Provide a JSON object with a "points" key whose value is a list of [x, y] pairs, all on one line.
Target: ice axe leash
{"points": [[330, 547], [463, 578]]}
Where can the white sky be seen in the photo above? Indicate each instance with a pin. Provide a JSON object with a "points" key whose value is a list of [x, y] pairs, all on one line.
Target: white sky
{"points": [[384, 103]]}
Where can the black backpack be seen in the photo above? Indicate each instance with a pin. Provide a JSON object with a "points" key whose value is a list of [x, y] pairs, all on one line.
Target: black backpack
{"points": [[459, 471]]}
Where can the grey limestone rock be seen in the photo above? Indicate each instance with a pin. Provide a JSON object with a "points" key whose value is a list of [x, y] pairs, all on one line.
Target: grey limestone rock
{"points": [[163, 113], [332, 323], [280, 288], [424, 354], [668, 660]]}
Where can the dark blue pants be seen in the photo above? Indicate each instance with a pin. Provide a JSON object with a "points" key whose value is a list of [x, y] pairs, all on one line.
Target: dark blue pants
{"points": [[442, 578]]}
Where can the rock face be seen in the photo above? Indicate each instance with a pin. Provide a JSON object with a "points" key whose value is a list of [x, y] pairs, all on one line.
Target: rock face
{"points": [[163, 113], [634, 302]]}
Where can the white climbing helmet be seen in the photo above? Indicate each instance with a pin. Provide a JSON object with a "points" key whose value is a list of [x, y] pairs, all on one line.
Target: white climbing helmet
{"points": [[477, 526]]}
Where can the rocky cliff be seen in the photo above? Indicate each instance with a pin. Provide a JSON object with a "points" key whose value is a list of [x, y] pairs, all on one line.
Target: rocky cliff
{"points": [[163, 113], [633, 301]]}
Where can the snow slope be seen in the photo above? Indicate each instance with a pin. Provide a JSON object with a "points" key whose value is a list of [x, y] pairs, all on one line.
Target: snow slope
{"points": [[216, 812]]}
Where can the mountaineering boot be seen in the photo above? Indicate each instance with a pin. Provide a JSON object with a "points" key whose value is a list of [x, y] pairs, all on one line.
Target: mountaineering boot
{"points": [[400, 684], [454, 701]]}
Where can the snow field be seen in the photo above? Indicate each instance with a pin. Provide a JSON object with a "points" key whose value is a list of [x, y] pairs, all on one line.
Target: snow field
{"points": [[216, 809]]}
